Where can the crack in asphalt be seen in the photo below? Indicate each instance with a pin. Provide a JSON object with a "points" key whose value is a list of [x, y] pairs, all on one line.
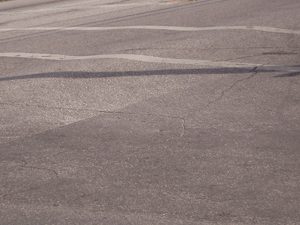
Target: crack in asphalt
{"points": [[244, 57], [31, 188], [183, 127], [254, 72], [262, 54], [39, 168]]}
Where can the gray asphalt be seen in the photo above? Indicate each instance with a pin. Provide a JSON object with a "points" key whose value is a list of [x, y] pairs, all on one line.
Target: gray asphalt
{"points": [[146, 122]]}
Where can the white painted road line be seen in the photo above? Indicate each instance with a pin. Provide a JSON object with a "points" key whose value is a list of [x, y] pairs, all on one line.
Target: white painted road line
{"points": [[172, 28], [142, 58], [151, 59]]}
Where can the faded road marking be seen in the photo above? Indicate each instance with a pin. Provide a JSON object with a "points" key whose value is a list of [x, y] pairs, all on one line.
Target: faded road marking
{"points": [[151, 59], [173, 28]]}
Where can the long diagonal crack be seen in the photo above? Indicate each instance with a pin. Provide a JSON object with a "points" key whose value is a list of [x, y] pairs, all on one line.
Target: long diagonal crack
{"points": [[254, 70]]}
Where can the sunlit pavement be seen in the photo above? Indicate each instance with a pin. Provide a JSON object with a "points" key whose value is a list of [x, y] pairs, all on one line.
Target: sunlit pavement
{"points": [[149, 112]]}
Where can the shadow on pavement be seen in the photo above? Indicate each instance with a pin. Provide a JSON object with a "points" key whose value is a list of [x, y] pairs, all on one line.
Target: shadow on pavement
{"points": [[85, 75], [293, 74]]}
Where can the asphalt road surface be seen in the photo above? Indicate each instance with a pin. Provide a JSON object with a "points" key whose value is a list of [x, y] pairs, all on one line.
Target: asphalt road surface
{"points": [[150, 112]]}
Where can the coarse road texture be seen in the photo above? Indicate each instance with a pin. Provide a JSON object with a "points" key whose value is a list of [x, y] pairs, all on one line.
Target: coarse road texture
{"points": [[149, 112]]}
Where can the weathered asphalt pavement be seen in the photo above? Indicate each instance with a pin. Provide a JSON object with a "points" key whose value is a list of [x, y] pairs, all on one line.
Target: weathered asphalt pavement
{"points": [[150, 112]]}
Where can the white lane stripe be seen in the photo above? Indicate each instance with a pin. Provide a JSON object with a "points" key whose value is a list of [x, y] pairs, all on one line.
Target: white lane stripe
{"points": [[173, 28], [152, 59], [142, 58]]}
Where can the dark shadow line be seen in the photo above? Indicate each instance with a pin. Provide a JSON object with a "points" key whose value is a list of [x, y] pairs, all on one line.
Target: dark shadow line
{"points": [[279, 53], [86, 75], [292, 74]]}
